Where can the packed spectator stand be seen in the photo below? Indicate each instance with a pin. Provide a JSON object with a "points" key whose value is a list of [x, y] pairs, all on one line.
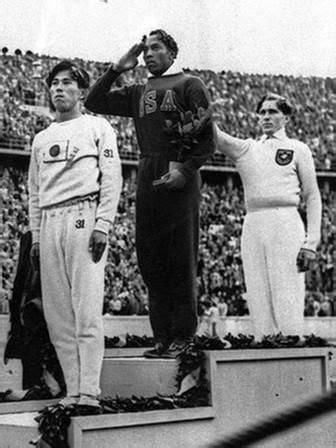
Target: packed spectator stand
{"points": [[24, 106], [234, 97]]}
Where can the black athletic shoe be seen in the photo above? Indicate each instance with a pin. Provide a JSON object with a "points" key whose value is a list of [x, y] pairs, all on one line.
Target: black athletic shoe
{"points": [[175, 349], [156, 351]]}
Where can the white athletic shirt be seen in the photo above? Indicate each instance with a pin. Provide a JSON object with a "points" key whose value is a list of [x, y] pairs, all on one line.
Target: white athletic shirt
{"points": [[275, 172], [72, 159]]}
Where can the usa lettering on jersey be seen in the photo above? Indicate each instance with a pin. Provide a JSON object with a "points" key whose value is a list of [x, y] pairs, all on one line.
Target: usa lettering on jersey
{"points": [[149, 104]]}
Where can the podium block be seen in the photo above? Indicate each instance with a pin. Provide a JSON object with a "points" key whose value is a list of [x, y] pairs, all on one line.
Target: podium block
{"points": [[245, 386], [138, 376]]}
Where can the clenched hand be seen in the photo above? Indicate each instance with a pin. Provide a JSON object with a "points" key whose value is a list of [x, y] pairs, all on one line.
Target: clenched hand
{"points": [[97, 244]]}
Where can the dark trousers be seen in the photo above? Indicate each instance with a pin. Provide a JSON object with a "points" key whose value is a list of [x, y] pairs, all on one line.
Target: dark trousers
{"points": [[167, 230]]}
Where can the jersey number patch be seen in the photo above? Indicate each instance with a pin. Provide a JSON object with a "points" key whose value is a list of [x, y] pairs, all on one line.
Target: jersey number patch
{"points": [[284, 156], [80, 223], [108, 152]]}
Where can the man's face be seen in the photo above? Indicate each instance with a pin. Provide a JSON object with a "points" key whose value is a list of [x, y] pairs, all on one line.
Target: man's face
{"points": [[271, 118], [64, 92], [156, 55]]}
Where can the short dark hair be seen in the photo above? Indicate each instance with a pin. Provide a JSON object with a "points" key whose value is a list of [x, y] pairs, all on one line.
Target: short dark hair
{"points": [[282, 103], [167, 39], [77, 73]]}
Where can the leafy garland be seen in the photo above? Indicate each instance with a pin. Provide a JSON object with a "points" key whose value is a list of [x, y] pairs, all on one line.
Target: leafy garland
{"points": [[185, 128], [242, 341], [53, 421], [130, 341], [229, 341]]}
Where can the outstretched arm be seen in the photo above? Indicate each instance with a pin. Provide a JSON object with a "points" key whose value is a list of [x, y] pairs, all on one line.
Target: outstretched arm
{"points": [[230, 146]]}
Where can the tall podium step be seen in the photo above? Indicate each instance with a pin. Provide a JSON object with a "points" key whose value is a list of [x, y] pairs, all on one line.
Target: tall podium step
{"points": [[138, 376]]}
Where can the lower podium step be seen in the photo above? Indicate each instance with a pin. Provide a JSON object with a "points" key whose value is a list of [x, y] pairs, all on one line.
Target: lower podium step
{"points": [[125, 373], [17, 430]]}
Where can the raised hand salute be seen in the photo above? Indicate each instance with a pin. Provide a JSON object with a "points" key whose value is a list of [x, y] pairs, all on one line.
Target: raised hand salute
{"points": [[130, 59]]}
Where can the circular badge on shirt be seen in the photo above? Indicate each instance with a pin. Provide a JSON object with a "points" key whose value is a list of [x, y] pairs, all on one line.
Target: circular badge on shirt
{"points": [[54, 150], [284, 156]]}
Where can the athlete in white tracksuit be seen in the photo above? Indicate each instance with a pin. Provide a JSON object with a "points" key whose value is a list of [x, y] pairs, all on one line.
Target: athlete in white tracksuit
{"points": [[74, 187], [276, 249]]}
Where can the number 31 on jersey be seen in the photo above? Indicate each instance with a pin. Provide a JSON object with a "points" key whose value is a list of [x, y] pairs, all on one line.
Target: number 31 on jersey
{"points": [[108, 153]]}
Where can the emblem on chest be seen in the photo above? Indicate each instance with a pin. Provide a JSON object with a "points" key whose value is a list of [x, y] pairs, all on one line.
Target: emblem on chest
{"points": [[284, 156], [54, 150]]}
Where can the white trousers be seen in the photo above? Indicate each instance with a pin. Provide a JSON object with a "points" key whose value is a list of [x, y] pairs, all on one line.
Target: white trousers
{"points": [[271, 241], [73, 291]]}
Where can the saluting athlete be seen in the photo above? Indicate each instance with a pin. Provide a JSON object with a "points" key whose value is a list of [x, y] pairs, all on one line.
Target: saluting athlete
{"points": [[167, 215], [74, 187], [276, 250]]}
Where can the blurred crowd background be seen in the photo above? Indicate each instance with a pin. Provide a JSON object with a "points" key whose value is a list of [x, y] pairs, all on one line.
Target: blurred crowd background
{"points": [[234, 97], [24, 111]]}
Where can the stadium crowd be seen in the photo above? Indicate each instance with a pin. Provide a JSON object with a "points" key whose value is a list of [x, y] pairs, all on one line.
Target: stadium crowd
{"points": [[234, 97], [220, 274]]}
